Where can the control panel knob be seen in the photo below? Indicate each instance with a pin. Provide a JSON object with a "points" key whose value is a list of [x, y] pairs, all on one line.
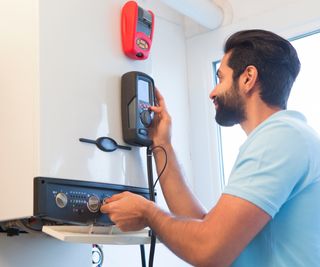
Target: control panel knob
{"points": [[146, 118], [61, 200], [93, 204]]}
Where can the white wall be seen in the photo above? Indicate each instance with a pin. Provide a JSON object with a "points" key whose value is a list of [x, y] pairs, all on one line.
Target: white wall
{"points": [[287, 18], [18, 96], [32, 250], [62, 62]]}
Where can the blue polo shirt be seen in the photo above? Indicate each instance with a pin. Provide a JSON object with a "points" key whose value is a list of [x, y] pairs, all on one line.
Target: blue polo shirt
{"points": [[278, 170]]}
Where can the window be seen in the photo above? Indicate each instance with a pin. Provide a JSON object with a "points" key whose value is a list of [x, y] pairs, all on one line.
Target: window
{"points": [[304, 97]]}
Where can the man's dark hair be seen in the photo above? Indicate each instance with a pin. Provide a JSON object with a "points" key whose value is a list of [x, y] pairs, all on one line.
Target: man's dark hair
{"points": [[275, 58]]}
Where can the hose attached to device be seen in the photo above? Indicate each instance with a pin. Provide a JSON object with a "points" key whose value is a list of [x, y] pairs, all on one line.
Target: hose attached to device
{"points": [[152, 198], [143, 256]]}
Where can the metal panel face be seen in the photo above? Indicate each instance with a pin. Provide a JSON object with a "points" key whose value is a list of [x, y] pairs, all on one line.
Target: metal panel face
{"points": [[75, 202]]}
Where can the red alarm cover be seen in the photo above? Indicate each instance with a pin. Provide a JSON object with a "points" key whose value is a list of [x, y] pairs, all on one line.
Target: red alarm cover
{"points": [[137, 27]]}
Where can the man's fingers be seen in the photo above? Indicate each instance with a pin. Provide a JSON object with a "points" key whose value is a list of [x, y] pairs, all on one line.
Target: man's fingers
{"points": [[114, 197], [158, 95], [156, 109], [108, 202], [105, 208], [160, 99]]}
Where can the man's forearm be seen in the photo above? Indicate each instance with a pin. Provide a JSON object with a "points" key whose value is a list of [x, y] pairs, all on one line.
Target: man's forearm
{"points": [[187, 238], [174, 186]]}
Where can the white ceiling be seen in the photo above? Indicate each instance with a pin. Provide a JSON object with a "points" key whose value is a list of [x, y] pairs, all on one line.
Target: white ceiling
{"points": [[236, 10], [245, 8]]}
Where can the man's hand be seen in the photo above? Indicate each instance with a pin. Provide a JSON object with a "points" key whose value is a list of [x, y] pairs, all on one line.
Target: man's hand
{"points": [[127, 211], [160, 131]]}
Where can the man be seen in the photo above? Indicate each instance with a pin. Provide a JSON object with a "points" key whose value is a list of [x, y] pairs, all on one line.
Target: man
{"points": [[268, 214]]}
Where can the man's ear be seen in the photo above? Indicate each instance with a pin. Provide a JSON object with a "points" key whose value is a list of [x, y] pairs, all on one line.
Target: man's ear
{"points": [[248, 79]]}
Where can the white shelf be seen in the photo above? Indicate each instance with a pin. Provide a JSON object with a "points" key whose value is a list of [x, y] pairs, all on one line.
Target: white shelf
{"points": [[97, 235]]}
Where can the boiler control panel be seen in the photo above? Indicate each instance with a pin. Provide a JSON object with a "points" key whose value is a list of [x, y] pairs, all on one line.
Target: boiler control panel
{"points": [[76, 202]]}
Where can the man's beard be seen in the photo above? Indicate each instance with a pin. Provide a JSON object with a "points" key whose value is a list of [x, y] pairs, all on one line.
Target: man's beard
{"points": [[231, 107]]}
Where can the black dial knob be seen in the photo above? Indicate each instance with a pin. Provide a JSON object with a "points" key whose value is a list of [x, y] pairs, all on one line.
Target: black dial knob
{"points": [[146, 117], [93, 204]]}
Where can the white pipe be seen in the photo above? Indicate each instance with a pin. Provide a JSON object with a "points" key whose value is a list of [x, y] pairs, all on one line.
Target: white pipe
{"points": [[204, 12]]}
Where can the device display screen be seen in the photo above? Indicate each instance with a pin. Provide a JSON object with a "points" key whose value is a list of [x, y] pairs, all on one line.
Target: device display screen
{"points": [[143, 90]]}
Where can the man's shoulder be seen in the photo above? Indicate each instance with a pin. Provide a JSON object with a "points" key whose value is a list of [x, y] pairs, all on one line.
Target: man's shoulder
{"points": [[281, 129]]}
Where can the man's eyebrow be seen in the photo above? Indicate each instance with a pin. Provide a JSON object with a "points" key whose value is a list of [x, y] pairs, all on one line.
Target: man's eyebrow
{"points": [[218, 73]]}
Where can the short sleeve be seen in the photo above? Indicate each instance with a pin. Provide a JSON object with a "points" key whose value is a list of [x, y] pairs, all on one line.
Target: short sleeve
{"points": [[269, 166]]}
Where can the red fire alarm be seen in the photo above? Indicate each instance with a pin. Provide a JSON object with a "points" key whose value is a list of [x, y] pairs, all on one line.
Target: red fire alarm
{"points": [[137, 30]]}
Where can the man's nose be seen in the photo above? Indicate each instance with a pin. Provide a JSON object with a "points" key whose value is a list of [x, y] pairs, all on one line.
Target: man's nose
{"points": [[213, 94]]}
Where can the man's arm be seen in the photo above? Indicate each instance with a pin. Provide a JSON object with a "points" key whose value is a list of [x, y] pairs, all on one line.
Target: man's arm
{"points": [[215, 240], [178, 196], [218, 239], [172, 182]]}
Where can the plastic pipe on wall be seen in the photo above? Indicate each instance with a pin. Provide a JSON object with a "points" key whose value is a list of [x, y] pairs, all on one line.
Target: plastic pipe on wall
{"points": [[204, 12]]}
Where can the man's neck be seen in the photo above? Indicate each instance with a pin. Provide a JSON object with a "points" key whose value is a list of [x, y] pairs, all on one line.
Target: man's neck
{"points": [[256, 114]]}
